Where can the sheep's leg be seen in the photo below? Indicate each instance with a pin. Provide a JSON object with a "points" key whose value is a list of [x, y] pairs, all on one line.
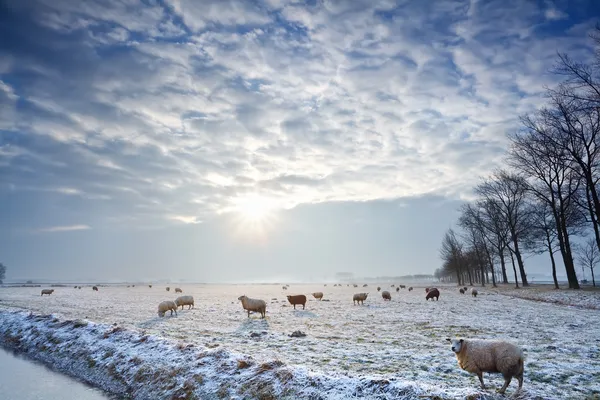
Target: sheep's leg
{"points": [[507, 380], [480, 376], [248, 313], [520, 379], [303, 306]]}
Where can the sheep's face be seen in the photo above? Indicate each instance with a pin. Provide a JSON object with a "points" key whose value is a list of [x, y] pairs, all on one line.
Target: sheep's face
{"points": [[241, 298], [456, 344]]}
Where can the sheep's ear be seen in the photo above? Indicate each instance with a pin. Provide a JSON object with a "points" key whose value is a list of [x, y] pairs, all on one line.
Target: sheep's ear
{"points": [[461, 340], [448, 339]]}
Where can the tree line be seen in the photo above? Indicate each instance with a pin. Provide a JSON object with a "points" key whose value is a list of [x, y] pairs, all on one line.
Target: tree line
{"points": [[546, 200]]}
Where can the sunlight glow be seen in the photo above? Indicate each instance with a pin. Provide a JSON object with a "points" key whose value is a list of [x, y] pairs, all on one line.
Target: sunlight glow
{"points": [[255, 217], [255, 208]]}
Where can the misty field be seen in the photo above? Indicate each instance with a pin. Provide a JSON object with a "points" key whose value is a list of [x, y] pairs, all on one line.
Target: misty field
{"points": [[398, 344]]}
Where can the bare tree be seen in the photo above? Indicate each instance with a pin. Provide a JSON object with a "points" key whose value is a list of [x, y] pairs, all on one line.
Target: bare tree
{"points": [[2, 272], [544, 238], [510, 192], [589, 256], [552, 178], [451, 253]]}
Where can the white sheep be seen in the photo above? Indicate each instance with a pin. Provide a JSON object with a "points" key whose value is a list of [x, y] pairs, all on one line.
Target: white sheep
{"points": [[47, 291], [255, 305], [185, 301], [165, 306], [493, 356], [318, 295]]}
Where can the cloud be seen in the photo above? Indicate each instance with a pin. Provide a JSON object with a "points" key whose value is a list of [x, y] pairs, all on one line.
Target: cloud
{"points": [[171, 112], [67, 228]]}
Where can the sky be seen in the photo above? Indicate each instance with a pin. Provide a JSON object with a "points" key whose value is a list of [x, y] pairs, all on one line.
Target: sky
{"points": [[259, 140]]}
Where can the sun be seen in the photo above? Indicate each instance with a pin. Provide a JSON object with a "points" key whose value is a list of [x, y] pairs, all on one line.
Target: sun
{"points": [[255, 208]]}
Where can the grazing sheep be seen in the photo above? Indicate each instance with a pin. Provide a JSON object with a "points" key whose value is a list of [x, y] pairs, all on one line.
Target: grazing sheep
{"points": [[365, 285], [410, 289], [185, 301], [132, 285], [462, 291], [493, 356], [168, 288], [386, 295], [474, 292], [355, 285], [255, 305], [360, 298], [47, 291], [95, 288], [402, 286], [297, 299], [150, 286], [392, 285], [433, 292], [325, 285], [74, 287], [397, 289], [465, 288], [78, 287], [378, 288], [318, 295], [165, 306], [178, 290]]}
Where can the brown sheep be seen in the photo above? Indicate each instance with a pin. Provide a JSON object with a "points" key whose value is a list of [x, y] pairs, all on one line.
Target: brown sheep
{"points": [[359, 298], [95, 288], [178, 290], [318, 295], [297, 299], [410, 289], [426, 290], [462, 291], [433, 292], [386, 295]]}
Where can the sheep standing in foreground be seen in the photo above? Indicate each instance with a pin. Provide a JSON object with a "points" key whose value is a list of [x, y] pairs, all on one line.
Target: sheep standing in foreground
{"points": [[255, 305], [185, 301], [474, 292], [297, 299], [433, 292], [47, 291], [493, 356], [95, 288], [178, 290], [386, 295], [165, 306], [462, 291], [359, 298], [318, 295]]}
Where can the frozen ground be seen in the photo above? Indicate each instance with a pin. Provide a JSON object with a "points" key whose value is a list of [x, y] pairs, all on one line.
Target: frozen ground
{"points": [[382, 350]]}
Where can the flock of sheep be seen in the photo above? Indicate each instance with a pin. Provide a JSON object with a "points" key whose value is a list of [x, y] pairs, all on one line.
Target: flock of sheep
{"points": [[473, 356]]}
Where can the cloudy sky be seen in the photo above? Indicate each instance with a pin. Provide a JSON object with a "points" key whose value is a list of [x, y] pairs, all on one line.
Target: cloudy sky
{"points": [[261, 139]]}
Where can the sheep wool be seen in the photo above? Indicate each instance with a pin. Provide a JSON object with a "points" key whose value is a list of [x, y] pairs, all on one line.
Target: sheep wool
{"points": [[359, 298], [386, 295], [492, 356], [185, 301], [165, 306], [318, 295], [47, 291], [255, 305]]}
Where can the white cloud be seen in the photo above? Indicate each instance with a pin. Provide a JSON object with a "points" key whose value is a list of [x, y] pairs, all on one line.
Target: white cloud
{"points": [[342, 101], [67, 228]]}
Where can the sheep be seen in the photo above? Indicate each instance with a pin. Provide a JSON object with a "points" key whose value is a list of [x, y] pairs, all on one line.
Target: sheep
{"points": [[386, 295], [402, 286], [325, 285], [465, 288], [318, 295], [284, 287], [185, 301], [47, 291], [78, 287], [474, 292], [178, 290], [392, 285], [378, 288], [168, 288], [462, 291], [355, 285], [365, 285], [255, 305], [297, 299], [426, 290], [74, 287], [165, 306], [397, 289], [359, 298], [150, 286], [95, 288], [433, 292], [410, 289], [492, 356]]}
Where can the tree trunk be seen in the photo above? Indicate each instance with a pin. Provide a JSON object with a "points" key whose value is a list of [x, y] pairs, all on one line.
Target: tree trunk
{"points": [[569, 263], [503, 265], [519, 259], [491, 264], [512, 259], [593, 279], [549, 244]]}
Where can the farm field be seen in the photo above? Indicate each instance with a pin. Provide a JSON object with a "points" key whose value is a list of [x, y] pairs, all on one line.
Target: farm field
{"points": [[393, 349]]}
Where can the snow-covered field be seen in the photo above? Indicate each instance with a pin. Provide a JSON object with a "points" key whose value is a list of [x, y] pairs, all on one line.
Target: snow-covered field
{"points": [[381, 350]]}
